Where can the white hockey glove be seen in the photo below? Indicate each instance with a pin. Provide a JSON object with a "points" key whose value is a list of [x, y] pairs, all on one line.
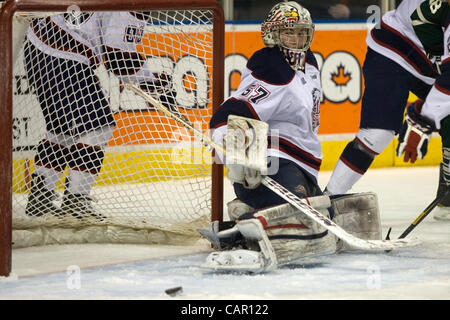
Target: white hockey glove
{"points": [[415, 134], [161, 83], [161, 88], [246, 146]]}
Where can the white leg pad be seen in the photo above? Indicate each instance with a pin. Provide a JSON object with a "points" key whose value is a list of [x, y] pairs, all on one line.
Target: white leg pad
{"points": [[358, 214], [237, 208], [293, 235]]}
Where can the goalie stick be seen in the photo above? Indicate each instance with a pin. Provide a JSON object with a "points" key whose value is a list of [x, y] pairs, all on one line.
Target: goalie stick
{"points": [[297, 202]]}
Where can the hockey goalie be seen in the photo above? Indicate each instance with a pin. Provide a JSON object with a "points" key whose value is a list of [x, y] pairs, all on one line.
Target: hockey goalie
{"points": [[268, 127]]}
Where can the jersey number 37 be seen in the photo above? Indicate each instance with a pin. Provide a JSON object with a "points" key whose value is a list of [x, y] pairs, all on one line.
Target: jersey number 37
{"points": [[255, 93]]}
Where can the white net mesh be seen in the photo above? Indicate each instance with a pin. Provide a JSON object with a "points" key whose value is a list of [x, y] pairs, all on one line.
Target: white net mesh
{"points": [[89, 152]]}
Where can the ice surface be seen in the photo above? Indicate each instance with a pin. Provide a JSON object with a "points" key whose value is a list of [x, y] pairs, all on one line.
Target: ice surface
{"points": [[145, 272]]}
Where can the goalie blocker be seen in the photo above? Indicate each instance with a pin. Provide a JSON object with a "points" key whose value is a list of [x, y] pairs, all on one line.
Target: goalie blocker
{"points": [[263, 240]]}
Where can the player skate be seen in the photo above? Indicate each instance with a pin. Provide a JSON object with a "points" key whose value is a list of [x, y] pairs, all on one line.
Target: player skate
{"points": [[442, 211], [79, 206], [40, 200]]}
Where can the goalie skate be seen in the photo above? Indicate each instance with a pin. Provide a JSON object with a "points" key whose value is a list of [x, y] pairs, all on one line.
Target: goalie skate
{"points": [[246, 261], [241, 261]]}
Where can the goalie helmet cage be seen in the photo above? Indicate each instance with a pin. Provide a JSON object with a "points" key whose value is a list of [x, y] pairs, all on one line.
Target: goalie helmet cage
{"points": [[128, 178]]}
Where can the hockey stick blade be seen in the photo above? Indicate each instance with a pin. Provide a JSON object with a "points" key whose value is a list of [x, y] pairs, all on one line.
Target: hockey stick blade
{"points": [[300, 204]]}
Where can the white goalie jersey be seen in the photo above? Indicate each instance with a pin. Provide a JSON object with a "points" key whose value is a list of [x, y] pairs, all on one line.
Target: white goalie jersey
{"points": [[288, 100]]}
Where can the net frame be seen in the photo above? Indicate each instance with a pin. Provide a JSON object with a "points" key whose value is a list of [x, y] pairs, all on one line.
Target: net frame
{"points": [[6, 91]]}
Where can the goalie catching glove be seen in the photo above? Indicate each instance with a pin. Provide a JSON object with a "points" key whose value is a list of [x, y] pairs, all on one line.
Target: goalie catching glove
{"points": [[415, 134], [246, 146]]}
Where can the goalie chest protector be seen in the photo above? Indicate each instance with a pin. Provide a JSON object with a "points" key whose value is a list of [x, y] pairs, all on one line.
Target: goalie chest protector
{"points": [[288, 100]]}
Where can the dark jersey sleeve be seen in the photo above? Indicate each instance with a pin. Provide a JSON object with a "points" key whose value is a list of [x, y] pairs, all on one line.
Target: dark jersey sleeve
{"points": [[428, 21]]}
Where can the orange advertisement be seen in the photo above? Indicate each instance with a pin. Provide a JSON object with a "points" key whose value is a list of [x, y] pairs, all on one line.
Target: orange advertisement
{"points": [[343, 54]]}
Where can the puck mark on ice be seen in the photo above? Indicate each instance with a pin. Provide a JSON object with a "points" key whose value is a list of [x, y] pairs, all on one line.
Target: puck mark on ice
{"points": [[174, 291]]}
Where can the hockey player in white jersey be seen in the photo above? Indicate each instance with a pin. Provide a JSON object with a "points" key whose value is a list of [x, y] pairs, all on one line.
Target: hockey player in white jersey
{"points": [[62, 53], [281, 87], [403, 55], [424, 117]]}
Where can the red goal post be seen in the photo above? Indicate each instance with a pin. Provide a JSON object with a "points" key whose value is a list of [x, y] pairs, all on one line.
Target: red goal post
{"points": [[6, 93]]}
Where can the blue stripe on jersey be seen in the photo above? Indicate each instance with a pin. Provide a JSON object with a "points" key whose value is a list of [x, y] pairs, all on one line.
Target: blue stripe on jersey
{"points": [[295, 152], [393, 40], [269, 65], [235, 107], [445, 66], [299, 237]]}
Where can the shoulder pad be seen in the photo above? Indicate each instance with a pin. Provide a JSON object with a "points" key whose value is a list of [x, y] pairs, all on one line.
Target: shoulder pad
{"points": [[311, 59], [269, 65]]}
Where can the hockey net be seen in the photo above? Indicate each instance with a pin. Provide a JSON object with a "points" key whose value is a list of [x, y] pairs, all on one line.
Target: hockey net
{"points": [[151, 180]]}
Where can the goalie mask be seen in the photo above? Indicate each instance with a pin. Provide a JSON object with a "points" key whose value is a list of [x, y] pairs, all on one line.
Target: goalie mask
{"points": [[289, 26]]}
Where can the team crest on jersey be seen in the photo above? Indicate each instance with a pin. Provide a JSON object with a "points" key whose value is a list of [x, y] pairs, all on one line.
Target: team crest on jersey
{"points": [[315, 114]]}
